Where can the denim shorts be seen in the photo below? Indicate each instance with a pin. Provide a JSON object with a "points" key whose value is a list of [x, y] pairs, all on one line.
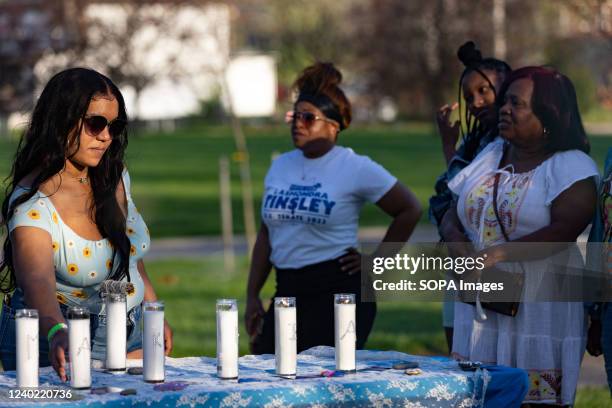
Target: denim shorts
{"points": [[97, 325]]}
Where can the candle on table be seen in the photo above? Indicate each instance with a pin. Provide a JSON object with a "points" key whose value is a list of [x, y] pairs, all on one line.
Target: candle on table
{"points": [[345, 335], [153, 342], [116, 331], [80, 348], [285, 336], [227, 339], [26, 324]]}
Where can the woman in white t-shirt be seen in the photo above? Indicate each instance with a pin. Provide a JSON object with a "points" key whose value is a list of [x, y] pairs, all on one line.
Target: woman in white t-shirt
{"points": [[546, 192], [310, 214]]}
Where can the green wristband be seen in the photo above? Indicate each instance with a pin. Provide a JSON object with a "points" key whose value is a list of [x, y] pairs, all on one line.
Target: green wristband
{"points": [[57, 327]]}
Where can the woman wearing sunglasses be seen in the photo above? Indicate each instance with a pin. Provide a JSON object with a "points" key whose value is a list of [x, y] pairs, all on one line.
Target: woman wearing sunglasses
{"points": [[70, 219], [310, 213]]}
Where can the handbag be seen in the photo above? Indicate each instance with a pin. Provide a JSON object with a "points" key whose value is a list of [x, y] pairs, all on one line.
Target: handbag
{"points": [[513, 282]]}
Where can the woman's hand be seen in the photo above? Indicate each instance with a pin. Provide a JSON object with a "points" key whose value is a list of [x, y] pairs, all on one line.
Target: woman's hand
{"points": [[458, 244], [253, 315], [135, 354], [167, 338], [492, 255], [457, 241], [260, 269], [449, 132], [58, 350], [351, 262]]}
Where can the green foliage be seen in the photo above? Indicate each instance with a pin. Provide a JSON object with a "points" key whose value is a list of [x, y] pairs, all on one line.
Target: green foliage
{"points": [[564, 55], [212, 109], [297, 32], [586, 87]]}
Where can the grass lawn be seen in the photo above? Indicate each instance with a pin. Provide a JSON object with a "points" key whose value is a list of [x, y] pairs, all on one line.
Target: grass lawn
{"points": [[175, 176], [191, 286]]}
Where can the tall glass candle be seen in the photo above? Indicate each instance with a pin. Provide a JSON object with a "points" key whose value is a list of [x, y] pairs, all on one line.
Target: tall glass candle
{"points": [[227, 339], [345, 331], [154, 359], [285, 336], [26, 325], [116, 331], [80, 348]]}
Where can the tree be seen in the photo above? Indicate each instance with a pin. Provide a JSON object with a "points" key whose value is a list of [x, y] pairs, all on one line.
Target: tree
{"points": [[299, 33], [407, 50], [28, 29], [588, 24]]}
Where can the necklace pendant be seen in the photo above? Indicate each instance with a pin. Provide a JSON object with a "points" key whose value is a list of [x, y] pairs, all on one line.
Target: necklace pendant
{"points": [[83, 180]]}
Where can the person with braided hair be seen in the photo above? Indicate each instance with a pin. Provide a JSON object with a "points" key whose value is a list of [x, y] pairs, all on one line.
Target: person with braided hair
{"points": [[310, 214], [479, 84]]}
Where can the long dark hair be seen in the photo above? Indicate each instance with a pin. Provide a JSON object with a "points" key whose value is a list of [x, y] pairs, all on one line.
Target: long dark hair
{"points": [[473, 61], [555, 104], [43, 150]]}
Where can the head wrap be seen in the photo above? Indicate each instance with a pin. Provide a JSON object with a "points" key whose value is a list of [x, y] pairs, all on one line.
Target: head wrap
{"points": [[325, 105]]}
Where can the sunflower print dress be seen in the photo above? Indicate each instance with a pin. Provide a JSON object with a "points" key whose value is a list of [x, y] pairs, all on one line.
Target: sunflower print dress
{"points": [[81, 265]]}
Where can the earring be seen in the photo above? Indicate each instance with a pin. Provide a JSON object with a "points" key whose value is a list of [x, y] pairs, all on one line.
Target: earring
{"points": [[545, 132]]}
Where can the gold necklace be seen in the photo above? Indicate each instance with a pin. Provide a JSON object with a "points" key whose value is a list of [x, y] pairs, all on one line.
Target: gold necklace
{"points": [[81, 180]]}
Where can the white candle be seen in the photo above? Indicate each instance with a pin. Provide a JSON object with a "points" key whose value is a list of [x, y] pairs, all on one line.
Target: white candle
{"points": [[345, 333], [153, 342], [116, 331], [80, 348], [26, 324], [227, 338], [285, 336]]}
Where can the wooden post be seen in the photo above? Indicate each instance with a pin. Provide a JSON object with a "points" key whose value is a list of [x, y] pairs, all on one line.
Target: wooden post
{"points": [[226, 214], [243, 159]]}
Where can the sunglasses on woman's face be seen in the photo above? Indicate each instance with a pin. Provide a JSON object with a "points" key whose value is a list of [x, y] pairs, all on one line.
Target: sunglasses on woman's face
{"points": [[309, 118], [96, 124]]}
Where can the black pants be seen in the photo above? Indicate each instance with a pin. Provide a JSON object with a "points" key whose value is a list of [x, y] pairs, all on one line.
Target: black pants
{"points": [[314, 287]]}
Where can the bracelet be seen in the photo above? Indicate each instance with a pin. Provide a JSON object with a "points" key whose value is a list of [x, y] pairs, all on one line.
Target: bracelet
{"points": [[57, 327]]}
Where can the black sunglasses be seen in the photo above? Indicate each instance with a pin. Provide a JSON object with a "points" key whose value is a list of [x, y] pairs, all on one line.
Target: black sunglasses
{"points": [[95, 125]]}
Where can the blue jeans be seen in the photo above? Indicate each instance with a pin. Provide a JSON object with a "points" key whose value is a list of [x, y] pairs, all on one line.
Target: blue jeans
{"points": [[97, 325], [606, 339]]}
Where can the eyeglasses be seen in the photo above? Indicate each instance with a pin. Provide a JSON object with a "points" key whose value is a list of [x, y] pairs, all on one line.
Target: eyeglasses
{"points": [[308, 118], [96, 124]]}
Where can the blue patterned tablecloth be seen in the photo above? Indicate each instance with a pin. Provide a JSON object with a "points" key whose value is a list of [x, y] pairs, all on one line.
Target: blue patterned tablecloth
{"points": [[376, 384]]}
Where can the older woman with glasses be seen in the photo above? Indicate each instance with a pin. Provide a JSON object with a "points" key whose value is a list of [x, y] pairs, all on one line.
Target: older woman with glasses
{"points": [[71, 220], [310, 213]]}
